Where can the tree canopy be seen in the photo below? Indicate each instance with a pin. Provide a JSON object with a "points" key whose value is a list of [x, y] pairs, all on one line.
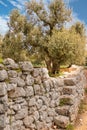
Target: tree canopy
{"points": [[42, 33]]}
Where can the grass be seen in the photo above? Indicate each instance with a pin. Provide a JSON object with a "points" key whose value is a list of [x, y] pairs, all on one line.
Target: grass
{"points": [[70, 127], [82, 107], [63, 66], [1, 60], [7, 80], [57, 74], [18, 70], [64, 101], [85, 90]]}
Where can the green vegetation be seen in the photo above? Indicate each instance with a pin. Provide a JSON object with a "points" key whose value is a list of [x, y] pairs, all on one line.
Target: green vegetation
{"points": [[57, 74], [82, 107], [64, 101], [41, 36], [70, 127], [85, 90], [1, 60]]}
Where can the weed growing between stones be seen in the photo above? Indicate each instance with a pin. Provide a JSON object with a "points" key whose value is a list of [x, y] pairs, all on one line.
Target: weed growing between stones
{"points": [[85, 90], [1, 61], [70, 127], [10, 120], [64, 101]]}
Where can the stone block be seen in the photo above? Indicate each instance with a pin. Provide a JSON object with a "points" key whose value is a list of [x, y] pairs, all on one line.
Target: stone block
{"points": [[28, 120], [12, 73], [3, 87], [29, 80], [61, 121], [69, 90], [26, 66], [2, 122], [19, 92], [70, 81], [3, 75], [22, 113], [19, 81], [29, 91], [64, 110]]}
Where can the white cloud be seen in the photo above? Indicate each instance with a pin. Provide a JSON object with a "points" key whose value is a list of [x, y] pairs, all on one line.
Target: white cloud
{"points": [[18, 3], [15, 4], [2, 3], [74, 20], [70, 1], [3, 24]]}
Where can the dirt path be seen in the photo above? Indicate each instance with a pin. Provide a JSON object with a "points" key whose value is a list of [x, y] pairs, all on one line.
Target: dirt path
{"points": [[81, 123]]}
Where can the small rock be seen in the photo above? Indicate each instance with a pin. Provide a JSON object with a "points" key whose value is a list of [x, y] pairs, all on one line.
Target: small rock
{"points": [[3, 75], [19, 81], [19, 92], [29, 80], [11, 87], [3, 87], [37, 89], [26, 66], [2, 122], [32, 102], [12, 73], [61, 121], [29, 91], [21, 114], [28, 120], [70, 81]]}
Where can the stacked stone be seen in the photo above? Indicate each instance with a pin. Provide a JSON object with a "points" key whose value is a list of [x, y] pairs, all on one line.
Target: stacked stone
{"points": [[70, 99], [3, 97], [32, 96], [31, 100]]}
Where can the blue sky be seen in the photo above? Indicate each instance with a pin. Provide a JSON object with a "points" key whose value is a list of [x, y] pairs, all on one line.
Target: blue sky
{"points": [[79, 8]]}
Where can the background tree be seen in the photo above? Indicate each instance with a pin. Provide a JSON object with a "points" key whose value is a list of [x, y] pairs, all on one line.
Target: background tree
{"points": [[14, 42], [79, 28]]}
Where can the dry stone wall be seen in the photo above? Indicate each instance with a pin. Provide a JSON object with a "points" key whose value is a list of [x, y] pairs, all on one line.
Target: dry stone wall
{"points": [[31, 100]]}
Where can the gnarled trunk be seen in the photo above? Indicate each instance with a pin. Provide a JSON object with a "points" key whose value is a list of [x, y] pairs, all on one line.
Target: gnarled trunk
{"points": [[52, 65], [55, 68]]}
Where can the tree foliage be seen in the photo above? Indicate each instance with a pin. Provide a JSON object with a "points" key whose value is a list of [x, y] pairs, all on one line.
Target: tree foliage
{"points": [[41, 33], [14, 42], [66, 47], [47, 18], [79, 28], [55, 14]]}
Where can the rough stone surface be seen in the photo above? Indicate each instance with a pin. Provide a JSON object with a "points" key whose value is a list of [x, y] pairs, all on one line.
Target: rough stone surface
{"points": [[19, 92], [29, 80], [20, 82], [61, 121], [26, 66], [11, 87], [10, 64], [31, 100], [2, 121], [12, 73], [29, 91], [21, 114], [2, 88], [28, 120], [3, 75]]}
